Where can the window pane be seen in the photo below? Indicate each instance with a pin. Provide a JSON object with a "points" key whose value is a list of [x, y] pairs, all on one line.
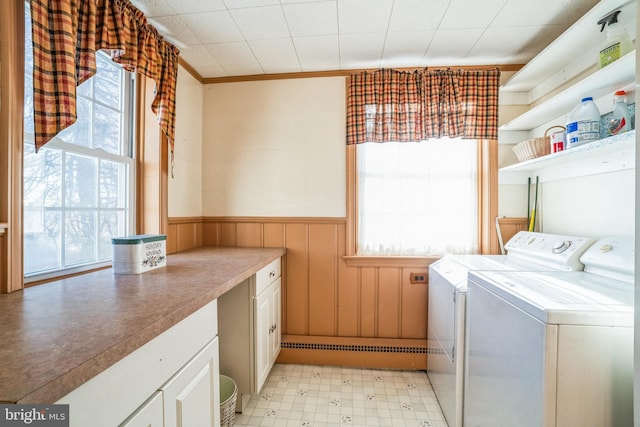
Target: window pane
{"points": [[113, 185], [80, 181], [417, 198], [80, 237], [108, 82], [80, 132], [85, 89], [42, 177], [41, 240], [106, 129], [112, 224]]}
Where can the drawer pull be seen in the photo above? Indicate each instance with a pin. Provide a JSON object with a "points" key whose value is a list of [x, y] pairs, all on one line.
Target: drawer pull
{"points": [[272, 329], [272, 273]]}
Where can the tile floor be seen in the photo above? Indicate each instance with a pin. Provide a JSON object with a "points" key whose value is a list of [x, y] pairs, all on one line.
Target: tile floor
{"points": [[323, 396]]}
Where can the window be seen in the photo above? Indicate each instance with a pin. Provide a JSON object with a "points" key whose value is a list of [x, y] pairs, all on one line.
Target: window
{"points": [[417, 199], [78, 189]]}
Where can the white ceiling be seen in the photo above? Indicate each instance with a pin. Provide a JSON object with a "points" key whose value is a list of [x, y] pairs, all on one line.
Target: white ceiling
{"points": [[222, 38]]}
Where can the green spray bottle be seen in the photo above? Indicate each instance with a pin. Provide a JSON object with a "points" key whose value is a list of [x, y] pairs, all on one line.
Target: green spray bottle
{"points": [[618, 42]]}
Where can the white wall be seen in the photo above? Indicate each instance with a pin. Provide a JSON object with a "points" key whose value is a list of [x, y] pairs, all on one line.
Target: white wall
{"points": [[274, 148], [185, 188], [593, 206]]}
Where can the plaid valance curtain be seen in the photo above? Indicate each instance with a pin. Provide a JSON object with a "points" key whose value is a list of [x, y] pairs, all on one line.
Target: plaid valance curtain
{"points": [[66, 36], [391, 105]]}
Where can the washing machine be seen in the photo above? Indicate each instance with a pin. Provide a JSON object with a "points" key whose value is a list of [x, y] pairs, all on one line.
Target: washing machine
{"points": [[526, 251], [553, 349]]}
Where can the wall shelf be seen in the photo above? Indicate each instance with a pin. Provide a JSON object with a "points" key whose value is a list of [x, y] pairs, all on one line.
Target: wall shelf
{"points": [[611, 154], [616, 76], [559, 58], [548, 81]]}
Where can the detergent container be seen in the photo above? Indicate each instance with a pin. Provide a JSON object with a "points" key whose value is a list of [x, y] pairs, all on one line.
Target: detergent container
{"points": [[584, 123], [621, 119]]}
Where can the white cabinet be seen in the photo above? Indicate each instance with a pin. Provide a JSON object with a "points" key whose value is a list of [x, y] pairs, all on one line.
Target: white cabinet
{"points": [[268, 335], [150, 414], [178, 368], [191, 395], [250, 330], [189, 399]]}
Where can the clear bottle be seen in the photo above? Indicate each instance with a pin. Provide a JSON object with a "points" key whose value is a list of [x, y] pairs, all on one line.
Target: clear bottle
{"points": [[618, 42], [621, 119], [584, 123]]}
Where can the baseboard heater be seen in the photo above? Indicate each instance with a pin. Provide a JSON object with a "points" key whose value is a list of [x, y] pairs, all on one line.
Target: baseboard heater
{"points": [[365, 348], [365, 352]]}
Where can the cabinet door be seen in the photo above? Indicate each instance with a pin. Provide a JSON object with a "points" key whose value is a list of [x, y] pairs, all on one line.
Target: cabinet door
{"points": [[148, 415], [275, 339], [192, 396], [263, 332]]}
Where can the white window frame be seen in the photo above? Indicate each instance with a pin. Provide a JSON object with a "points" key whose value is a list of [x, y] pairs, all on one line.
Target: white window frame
{"points": [[127, 157]]}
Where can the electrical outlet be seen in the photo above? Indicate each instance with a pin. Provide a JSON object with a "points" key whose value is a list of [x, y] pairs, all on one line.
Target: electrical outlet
{"points": [[418, 278]]}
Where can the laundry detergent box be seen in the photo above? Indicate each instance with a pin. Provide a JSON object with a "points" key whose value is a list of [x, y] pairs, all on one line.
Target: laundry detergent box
{"points": [[139, 253]]}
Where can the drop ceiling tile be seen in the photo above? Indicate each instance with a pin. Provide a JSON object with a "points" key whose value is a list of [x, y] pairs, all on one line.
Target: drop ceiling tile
{"points": [[213, 72], [304, 1], [540, 12], [512, 40], [261, 22], [449, 44], [373, 33], [318, 52], [417, 15], [195, 6], [241, 4], [471, 14], [405, 49], [312, 19], [198, 56], [213, 27], [364, 16], [361, 50], [152, 8], [276, 55], [174, 28], [236, 58]]}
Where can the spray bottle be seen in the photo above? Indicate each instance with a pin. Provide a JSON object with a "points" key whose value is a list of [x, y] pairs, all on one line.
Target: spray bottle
{"points": [[618, 42]]}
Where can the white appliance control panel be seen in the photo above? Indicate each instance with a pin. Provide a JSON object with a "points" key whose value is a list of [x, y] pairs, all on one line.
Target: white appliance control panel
{"points": [[611, 257], [555, 250]]}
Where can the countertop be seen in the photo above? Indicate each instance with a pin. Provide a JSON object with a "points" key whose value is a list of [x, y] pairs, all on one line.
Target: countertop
{"points": [[56, 336]]}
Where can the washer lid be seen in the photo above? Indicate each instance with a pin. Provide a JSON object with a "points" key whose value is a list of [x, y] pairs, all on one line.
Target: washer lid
{"points": [[574, 298]]}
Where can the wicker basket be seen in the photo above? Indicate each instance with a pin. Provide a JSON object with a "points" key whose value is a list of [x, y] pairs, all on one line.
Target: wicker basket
{"points": [[228, 405], [536, 147]]}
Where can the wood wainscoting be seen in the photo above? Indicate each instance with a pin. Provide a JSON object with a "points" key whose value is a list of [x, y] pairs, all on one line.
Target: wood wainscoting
{"points": [[327, 304]]}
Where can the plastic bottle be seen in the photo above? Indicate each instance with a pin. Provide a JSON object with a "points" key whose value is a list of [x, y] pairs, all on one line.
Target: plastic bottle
{"points": [[584, 123], [621, 119], [618, 42]]}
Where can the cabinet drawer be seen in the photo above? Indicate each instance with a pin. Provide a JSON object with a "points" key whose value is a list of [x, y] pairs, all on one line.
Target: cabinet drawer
{"points": [[267, 275]]}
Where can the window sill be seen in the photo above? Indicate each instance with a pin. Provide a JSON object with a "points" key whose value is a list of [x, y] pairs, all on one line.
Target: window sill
{"points": [[389, 261], [39, 279]]}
